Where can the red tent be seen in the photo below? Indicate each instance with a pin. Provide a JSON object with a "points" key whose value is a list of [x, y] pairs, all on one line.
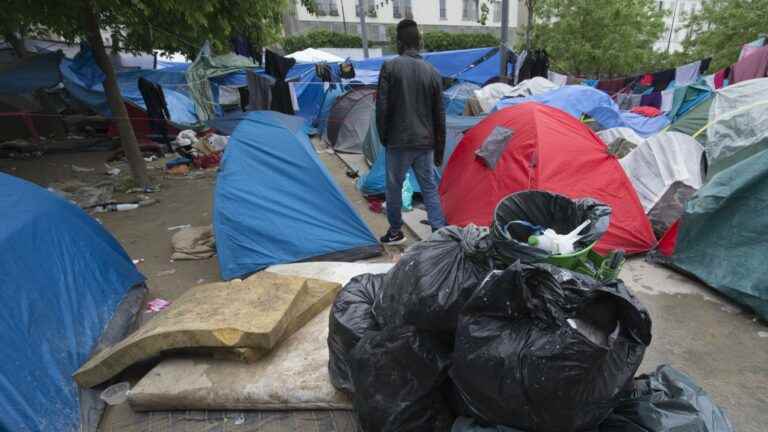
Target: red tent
{"points": [[548, 150]]}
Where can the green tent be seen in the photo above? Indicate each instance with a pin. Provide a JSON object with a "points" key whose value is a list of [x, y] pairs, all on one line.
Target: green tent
{"points": [[722, 233]]}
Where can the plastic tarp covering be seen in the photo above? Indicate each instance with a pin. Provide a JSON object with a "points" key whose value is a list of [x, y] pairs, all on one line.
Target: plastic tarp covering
{"points": [[484, 71], [658, 162], [206, 67], [551, 151], [30, 74], [542, 349], [62, 278], [736, 123], [174, 84], [489, 95], [350, 119], [276, 203], [667, 400], [721, 238], [455, 97], [311, 55], [579, 100]]}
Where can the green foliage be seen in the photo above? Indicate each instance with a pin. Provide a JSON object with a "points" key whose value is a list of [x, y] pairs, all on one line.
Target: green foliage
{"points": [[722, 26], [317, 38], [444, 41], [606, 40]]}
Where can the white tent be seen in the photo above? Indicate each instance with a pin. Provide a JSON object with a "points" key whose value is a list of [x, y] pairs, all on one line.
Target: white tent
{"points": [[311, 55]]}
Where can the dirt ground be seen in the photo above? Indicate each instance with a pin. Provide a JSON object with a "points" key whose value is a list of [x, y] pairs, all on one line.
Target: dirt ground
{"points": [[724, 347]]}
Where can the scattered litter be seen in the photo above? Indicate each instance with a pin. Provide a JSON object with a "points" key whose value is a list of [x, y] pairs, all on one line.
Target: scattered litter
{"points": [[146, 202], [157, 305], [178, 227], [138, 261], [148, 189], [112, 171], [151, 158], [116, 393], [201, 280], [179, 170], [80, 169], [166, 272], [84, 195], [762, 334], [113, 207], [193, 243], [186, 138]]}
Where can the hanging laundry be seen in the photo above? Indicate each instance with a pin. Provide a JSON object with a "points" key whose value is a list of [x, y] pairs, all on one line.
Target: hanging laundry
{"points": [[752, 66], [278, 66], [662, 79], [611, 86], [259, 91], [157, 109], [667, 96], [558, 79], [749, 48], [720, 77], [627, 101], [241, 45], [646, 80], [705, 65], [651, 100], [646, 111], [687, 74]]}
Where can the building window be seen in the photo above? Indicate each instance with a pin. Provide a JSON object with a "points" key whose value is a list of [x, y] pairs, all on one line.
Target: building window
{"points": [[402, 9], [469, 12], [327, 7], [443, 10], [369, 4], [497, 12], [333, 9]]}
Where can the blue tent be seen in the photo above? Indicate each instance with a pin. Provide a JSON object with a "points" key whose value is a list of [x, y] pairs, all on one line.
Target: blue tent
{"points": [[30, 74], [275, 202], [62, 277], [578, 100], [456, 96]]}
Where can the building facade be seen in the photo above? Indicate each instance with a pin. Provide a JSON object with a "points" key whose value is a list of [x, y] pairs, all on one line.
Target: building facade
{"points": [[447, 15], [677, 15]]}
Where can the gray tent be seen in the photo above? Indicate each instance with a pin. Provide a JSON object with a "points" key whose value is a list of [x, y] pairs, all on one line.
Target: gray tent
{"points": [[350, 119]]}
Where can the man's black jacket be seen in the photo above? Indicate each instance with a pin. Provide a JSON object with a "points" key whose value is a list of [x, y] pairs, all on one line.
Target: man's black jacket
{"points": [[409, 105]]}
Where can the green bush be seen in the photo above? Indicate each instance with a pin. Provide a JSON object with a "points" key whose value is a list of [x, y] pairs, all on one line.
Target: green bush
{"points": [[445, 41], [318, 38]]}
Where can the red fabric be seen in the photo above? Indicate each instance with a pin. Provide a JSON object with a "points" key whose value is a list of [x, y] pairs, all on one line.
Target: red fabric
{"points": [[647, 111], [720, 78], [140, 123], [755, 65], [647, 80], [668, 241], [549, 150]]}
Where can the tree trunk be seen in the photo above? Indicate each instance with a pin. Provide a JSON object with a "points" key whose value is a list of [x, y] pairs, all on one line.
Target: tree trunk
{"points": [[115, 99], [529, 26], [17, 44]]}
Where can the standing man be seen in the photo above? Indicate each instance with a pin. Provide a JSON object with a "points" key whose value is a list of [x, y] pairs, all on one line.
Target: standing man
{"points": [[411, 122]]}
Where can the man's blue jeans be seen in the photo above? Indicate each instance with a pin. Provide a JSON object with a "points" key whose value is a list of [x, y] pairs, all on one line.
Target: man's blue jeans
{"points": [[398, 163]]}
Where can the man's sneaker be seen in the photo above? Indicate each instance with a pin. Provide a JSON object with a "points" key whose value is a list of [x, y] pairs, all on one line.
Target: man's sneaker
{"points": [[393, 238]]}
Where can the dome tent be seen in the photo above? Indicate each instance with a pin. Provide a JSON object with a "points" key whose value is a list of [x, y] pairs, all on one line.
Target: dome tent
{"points": [[549, 150]]}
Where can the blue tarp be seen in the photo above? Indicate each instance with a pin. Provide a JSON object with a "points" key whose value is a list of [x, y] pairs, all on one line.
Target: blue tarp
{"points": [[455, 97], [174, 82], [481, 73], [30, 74], [62, 277], [578, 100], [275, 202]]}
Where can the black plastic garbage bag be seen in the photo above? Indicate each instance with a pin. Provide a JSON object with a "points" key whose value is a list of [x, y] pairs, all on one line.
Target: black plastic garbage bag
{"points": [[398, 373], [667, 400], [466, 424], [433, 279], [548, 210], [542, 349], [351, 318]]}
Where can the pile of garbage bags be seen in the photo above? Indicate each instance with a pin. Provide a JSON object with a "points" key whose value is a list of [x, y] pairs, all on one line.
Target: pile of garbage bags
{"points": [[457, 336]]}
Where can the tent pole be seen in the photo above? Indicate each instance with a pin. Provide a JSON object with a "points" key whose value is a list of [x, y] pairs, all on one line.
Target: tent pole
{"points": [[363, 28], [504, 39]]}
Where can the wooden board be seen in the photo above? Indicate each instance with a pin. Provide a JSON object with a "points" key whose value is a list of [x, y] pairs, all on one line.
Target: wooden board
{"points": [[254, 313]]}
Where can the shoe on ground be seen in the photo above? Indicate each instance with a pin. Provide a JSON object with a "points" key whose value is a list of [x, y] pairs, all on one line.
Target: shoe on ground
{"points": [[393, 238]]}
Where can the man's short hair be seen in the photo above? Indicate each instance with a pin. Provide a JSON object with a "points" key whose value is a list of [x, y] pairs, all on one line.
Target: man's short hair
{"points": [[408, 36]]}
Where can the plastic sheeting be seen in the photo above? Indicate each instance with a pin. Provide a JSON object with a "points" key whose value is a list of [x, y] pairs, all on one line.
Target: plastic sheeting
{"points": [[736, 123], [62, 278], [578, 100], [311, 55], [30, 74], [205, 67], [721, 238], [489, 95], [658, 162], [174, 83], [455, 97], [276, 203]]}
